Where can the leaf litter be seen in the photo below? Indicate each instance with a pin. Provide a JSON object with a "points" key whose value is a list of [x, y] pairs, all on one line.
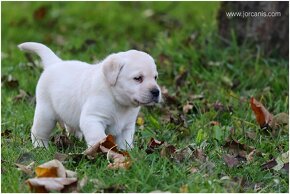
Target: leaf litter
{"points": [[117, 159], [52, 177]]}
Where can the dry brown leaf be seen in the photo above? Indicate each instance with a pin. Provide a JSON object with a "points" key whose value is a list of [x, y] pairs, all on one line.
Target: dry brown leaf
{"points": [[26, 169], [269, 165], [46, 172], [230, 160], [70, 174], [53, 168], [263, 116], [187, 107], [120, 159], [250, 156], [181, 78], [169, 99], [279, 120], [9, 81], [281, 162], [6, 133], [167, 150], [193, 170], [153, 145], [44, 185], [234, 147], [107, 142], [214, 123], [62, 141]]}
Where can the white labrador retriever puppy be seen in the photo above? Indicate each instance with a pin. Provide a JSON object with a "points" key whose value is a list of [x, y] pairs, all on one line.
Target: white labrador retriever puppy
{"points": [[92, 100]]}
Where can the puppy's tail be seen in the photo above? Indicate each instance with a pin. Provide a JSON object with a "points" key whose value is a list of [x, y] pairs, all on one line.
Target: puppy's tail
{"points": [[47, 56]]}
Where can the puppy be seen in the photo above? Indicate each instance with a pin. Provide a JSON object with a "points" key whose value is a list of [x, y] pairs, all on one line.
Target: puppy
{"points": [[92, 100]]}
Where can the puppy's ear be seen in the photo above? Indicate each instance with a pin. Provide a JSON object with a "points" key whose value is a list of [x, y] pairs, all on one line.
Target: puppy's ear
{"points": [[111, 69]]}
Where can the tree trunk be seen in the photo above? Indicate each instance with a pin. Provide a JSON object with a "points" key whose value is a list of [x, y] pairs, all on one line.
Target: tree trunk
{"points": [[271, 34]]}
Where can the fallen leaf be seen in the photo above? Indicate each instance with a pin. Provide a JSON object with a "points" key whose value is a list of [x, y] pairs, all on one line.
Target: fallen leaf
{"points": [[236, 147], [117, 159], [95, 149], [169, 99], [46, 172], [269, 165], [250, 156], [193, 170], [286, 167], [70, 174], [257, 187], [53, 168], [6, 133], [153, 145], [140, 121], [187, 107], [214, 123], [183, 154], [279, 120], [281, 162], [230, 160], [219, 107], [167, 150], [62, 142], [179, 120], [181, 78], [51, 177], [44, 185], [26, 169], [199, 154], [263, 116], [9, 81]]}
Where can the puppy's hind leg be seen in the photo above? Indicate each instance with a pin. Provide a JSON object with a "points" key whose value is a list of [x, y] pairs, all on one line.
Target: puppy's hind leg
{"points": [[43, 123]]}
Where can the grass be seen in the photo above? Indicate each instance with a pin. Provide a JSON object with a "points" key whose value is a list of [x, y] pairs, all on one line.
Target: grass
{"points": [[89, 31]]}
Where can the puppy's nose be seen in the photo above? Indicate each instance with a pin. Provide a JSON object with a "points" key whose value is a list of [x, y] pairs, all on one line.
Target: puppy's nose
{"points": [[155, 92]]}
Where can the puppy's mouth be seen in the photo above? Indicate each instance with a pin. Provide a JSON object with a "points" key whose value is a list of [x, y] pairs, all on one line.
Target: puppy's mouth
{"points": [[150, 103]]}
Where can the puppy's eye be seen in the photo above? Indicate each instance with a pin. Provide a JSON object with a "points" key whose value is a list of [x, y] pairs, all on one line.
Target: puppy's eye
{"points": [[155, 77], [138, 79]]}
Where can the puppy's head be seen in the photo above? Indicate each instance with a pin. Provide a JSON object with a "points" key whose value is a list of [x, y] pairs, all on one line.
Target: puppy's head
{"points": [[132, 76]]}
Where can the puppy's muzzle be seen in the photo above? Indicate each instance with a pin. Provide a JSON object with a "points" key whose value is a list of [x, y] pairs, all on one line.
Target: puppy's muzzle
{"points": [[155, 94]]}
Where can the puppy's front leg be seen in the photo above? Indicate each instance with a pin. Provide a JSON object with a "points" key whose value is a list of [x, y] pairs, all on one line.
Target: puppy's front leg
{"points": [[93, 129], [125, 139]]}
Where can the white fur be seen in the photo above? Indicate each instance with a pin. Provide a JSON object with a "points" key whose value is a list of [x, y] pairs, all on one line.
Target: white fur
{"points": [[92, 100]]}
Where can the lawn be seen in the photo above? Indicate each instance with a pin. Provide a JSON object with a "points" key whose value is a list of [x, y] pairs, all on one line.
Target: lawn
{"points": [[215, 80]]}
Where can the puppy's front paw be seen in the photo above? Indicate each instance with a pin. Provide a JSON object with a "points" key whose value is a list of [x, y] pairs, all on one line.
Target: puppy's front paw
{"points": [[38, 142]]}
